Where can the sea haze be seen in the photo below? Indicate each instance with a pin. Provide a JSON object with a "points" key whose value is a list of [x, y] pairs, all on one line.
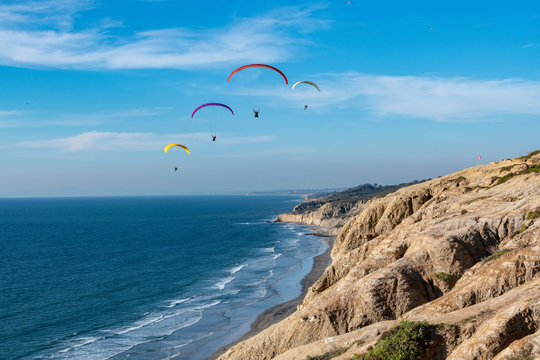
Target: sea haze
{"points": [[143, 277]]}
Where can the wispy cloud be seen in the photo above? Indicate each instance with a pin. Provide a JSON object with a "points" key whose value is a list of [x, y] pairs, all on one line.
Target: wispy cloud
{"points": [[57, 14], [113, 141], [4, 113], [268, 37], [8, 118], [285, 151], [237, 140], [37, 119], [435, 98], [119, 114]]}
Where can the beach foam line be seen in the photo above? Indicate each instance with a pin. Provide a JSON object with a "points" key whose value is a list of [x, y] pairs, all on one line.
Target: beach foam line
{"points": [[152, 320], [162, 336], [220, 285], [264, 279], [81, 342], [106, 347], [209, 305], [139, 324], [179, 346], [173, 303], [236, 269]]}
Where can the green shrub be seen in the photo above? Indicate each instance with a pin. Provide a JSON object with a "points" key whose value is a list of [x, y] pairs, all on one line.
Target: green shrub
{"points": [[504, 178], [474, 317], [327, 356], [522, 228], [508, 176], [407, 341], [506, 168], [443, 276], [531, 154], [497, 255], [533, 214]]}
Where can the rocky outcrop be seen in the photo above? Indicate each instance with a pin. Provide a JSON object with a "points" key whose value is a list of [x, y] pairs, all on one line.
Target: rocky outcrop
{"points": [[461, 250], [331, 212], [329, 216]]}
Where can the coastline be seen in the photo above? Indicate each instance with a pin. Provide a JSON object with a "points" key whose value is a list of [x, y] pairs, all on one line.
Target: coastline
{"points": [[279, 312]]}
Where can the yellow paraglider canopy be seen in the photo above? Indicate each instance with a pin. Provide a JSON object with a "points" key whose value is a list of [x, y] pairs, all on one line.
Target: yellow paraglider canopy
{"points": [[171, 145]]}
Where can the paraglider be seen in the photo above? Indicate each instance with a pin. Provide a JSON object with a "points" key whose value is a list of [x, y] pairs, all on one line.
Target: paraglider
{"points": [[180, 146], [211, 104], [306, 82], [171, 145], [305, 107], [258, 65], [256, 112]]}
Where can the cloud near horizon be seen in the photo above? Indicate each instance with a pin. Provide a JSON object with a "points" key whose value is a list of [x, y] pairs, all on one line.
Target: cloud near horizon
{"points": [[455, 99], [114, 141], [26, 39]]}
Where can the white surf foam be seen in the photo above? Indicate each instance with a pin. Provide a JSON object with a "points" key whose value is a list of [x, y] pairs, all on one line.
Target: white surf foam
{"points": [[85, 340], [236, 269], [220, 285], [143, 331], [173, 303]]}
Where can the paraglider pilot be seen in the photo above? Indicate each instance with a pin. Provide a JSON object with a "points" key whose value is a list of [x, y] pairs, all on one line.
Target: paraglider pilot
{"points": [[256, 112], [305, 107], [213, 137]]}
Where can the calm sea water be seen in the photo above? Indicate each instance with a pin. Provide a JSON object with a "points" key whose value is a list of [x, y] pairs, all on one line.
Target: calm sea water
{"points": [[143, 277]]}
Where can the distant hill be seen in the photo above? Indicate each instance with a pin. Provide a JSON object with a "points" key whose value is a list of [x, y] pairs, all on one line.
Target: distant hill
{"points": [[308, 193], [356, 194]]}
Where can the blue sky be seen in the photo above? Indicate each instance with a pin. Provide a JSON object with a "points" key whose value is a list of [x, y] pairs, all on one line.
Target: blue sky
{"points": [[93, 90]]}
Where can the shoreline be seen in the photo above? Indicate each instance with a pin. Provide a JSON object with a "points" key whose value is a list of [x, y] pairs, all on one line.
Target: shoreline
{"points": [[279, 312]]}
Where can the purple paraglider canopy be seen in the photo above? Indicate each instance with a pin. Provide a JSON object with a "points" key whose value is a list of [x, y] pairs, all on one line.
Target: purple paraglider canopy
{"points": [[211, 104]]}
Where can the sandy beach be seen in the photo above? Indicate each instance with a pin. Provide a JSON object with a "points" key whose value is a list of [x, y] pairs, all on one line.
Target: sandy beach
{"points": [[281, 311]]}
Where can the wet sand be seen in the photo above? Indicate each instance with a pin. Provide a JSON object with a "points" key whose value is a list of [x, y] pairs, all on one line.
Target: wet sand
{"points": [[281, 311]]}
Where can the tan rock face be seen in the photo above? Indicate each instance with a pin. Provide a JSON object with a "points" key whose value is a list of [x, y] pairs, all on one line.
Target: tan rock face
{"points": [[460, 246], [329, 216]]}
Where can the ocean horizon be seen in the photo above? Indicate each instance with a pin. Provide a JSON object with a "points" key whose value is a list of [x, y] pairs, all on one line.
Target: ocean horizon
{"points": [[146, 277]]}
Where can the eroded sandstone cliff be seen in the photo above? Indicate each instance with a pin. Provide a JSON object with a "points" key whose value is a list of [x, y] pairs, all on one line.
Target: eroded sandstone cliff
{"points": [[460, 253], [332, 211]]}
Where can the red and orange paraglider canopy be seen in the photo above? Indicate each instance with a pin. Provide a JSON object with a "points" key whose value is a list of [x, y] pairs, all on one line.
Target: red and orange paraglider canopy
{"points": [[258, 65]]}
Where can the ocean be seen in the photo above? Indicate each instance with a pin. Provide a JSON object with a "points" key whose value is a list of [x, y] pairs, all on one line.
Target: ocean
{"points": [[143, 277]]}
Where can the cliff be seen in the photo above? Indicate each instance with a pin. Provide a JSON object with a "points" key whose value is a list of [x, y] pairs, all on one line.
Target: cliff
{"points": [[451, 265], [332, 211]]}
